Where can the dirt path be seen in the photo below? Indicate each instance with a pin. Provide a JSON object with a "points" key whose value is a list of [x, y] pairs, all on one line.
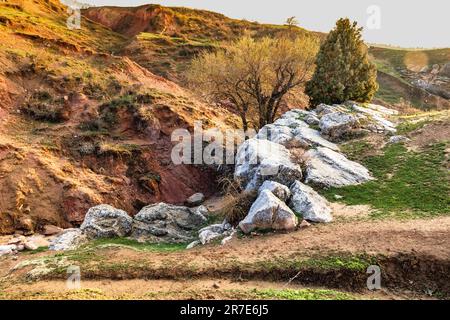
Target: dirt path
{"points": [[429, 237], [193, 289]]}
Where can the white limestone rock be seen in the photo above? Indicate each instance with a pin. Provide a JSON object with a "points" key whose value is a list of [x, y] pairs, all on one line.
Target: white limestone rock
{"points": [[311, 205], [69, 239], [308, 138], [279, 190], [268, 213], [105, 221], [328, 168], [260, 160]]}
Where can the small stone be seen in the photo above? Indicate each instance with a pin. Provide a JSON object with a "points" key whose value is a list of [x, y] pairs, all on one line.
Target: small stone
{"points": [[30, 246], [50, 230], [17, 240], [216, 286], [193, 244], [304, 224], [8, 249], [196, 199], [338, 197], [398, 139]]}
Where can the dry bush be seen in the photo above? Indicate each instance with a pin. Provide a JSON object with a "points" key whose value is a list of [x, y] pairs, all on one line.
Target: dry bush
{"points": [[299, 156], [237, 202], [237, 206]]}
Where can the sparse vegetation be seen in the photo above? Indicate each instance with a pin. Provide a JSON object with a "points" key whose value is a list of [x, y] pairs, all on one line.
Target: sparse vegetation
{"points": [[409, 183], [43, 107], [303, 294]]}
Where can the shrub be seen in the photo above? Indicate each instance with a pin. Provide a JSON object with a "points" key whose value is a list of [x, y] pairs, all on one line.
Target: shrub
{"points": [[343, 70], [255, 76], [42, 107]]}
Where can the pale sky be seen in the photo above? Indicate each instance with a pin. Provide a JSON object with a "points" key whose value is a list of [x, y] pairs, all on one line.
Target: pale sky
{"points": [[406, 23]]}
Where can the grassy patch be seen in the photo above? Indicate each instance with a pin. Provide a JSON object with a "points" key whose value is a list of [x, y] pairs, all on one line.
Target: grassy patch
{"points": [[409, 184], [349, 262], [388, 95], [130, 243], [409, 126], [38, 250], [303, 294], [358, 263], [355, 150]]}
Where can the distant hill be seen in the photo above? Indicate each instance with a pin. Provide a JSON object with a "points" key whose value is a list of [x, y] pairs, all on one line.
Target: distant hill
{"points": [[419, 76], [164, 40]]}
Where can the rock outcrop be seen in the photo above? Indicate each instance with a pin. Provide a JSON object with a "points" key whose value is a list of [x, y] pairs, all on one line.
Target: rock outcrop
{"points": [[308, 203], [268, 212], [327, 168], [279, 190], [69, 239], [339, 125], [163, 222], [105, 221], [309, 138], [260, 160]]}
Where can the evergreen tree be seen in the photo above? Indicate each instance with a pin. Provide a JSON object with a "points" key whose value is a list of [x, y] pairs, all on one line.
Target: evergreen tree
{"points": [[343, 70]]}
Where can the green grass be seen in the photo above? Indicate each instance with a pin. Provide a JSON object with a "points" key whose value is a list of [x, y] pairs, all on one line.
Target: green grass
{"points": [[409, 126], [302, 294], [156, 247], [330, 262], [337, 262], [355, 150], [38, 250], [409, 184], [388, 95]]}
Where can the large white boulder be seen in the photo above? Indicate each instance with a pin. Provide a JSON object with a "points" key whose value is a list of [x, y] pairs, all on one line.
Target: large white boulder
{"points": [[163, 222], [279, 190], [338, 125], [69, 239], [105, 221], [268, 213], [260, 160], [311, 205], [276, 133], [376, 118], [308, 137], [328, 168], [290, 122]]}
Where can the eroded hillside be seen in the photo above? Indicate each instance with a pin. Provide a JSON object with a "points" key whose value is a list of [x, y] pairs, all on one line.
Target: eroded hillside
{"points": [[164, 39], [80, 126]]}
